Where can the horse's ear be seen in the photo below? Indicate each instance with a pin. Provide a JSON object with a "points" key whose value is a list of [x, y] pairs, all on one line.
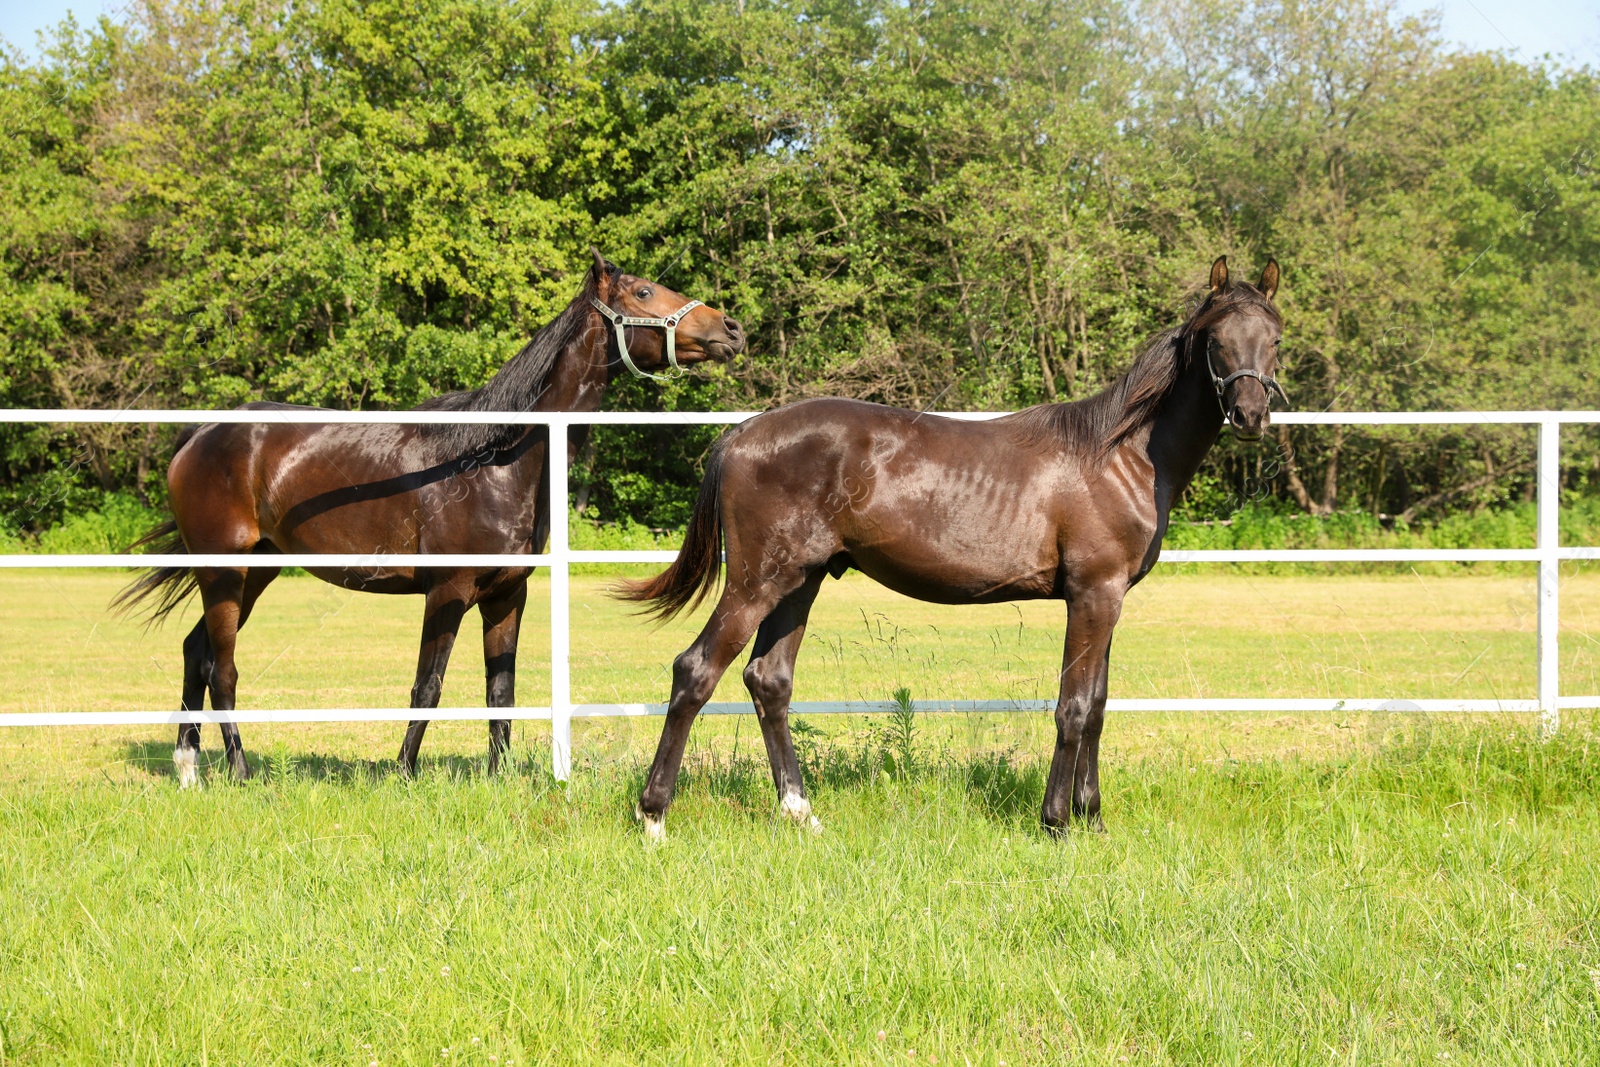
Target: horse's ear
{"points": [[1269, 279], [1219, 274], [602, 277]]}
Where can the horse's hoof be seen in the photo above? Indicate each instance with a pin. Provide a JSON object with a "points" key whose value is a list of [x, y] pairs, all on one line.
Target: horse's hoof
{"points": [[1089, 824], [798, 810], [186, 762], [654, 826]]}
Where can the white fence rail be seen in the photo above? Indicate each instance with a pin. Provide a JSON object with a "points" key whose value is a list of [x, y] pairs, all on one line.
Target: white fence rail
{"points": [[1548, 553]]}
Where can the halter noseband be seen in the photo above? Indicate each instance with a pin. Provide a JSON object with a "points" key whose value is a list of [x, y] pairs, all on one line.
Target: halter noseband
{"points": [[1270, 385], [669, 323]]}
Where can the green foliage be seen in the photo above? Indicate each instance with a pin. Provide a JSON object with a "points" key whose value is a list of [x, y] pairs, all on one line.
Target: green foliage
{"points": [[113, 525], [1265, 526], [983, 205], [106, 523], [624, 535]]}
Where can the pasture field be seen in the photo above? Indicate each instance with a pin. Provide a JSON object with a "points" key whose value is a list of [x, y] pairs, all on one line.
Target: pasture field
{"points": [[1269, 889]]}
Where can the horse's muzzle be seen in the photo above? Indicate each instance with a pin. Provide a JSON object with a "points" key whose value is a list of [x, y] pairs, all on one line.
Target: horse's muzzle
{"points": [[724, 350], [1248, 426]]}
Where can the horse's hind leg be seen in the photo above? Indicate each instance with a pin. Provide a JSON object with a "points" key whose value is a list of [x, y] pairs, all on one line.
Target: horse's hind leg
{"points": [[196, 669], [227, 597], [441, 618], [770, 679], [502, 619], [222, 593], [695, 674], [256, 579]]}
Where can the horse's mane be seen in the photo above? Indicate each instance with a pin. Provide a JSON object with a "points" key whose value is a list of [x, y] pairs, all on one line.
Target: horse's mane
{"points": [[1095, 425], [517, 386]]}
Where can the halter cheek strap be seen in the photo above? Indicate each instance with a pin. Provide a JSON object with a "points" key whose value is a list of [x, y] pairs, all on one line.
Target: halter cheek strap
{"points": [[668, 323], [1269, 384]]}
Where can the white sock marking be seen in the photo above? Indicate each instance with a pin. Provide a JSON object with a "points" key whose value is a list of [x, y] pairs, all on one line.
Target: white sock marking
{"points": [[798, 808], [186, 761], [654, 826]]}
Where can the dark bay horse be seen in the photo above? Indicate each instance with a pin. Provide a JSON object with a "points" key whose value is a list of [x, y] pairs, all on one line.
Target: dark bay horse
{"points": [[1064, 501], [269, 487]]}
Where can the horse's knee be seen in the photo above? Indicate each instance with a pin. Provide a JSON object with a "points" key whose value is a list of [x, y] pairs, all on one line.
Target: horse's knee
{"points": [[692, 679], [1075, 717], [425, 694], [769, 685], [686, 664]]}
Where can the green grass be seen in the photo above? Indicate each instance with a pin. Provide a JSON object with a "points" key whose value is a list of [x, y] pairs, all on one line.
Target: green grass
{"points": [[1400, 906], [1184, 632], [1270, 889]]}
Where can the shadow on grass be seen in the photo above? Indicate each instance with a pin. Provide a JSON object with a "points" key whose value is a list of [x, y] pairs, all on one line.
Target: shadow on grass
{"points": [[154, 758], [1000, 786], [1004, 789]]}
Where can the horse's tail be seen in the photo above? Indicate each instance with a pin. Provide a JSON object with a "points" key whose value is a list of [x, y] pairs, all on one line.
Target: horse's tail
{"points": [[170, 585], [694, 573]]}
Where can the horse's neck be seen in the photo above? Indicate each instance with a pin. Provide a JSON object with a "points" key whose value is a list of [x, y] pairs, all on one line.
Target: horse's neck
{"points": [[1184, 429], [577, 380]]}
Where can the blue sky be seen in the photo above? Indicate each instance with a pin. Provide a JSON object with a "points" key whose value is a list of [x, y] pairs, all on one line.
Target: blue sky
{"points": [[1529, 28]]}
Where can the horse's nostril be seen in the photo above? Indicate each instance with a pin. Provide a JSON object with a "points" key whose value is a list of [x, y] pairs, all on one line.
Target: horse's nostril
{"points": [[732, 326]]}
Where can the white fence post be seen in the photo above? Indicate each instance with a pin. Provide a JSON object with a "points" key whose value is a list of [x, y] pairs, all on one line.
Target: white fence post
{"points": [[560, 608], [1548, 494]]}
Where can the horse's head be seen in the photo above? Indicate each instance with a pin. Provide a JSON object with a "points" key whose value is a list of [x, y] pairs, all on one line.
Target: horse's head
{"points": [[656, 327], [1240, 330]]}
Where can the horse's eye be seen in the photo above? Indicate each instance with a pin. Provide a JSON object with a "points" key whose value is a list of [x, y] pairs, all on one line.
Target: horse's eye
{"points": [[644, 294]]}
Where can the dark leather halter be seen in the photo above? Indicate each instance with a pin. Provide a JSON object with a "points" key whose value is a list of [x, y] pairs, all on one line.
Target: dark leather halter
{"points": [[1269, 384]]}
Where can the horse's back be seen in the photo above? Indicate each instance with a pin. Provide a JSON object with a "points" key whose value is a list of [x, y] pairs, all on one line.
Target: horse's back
{"points": [[848, 424], [937, 508]]}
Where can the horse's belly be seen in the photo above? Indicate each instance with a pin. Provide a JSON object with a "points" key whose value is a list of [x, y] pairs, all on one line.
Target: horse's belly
{"points": [[950, 579], [372, 579]]}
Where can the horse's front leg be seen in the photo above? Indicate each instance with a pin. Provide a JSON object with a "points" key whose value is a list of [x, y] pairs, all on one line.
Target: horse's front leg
{"points": [[1073, 788]]}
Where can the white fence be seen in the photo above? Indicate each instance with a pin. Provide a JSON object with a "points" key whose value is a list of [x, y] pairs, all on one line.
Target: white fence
{"points": [[1547, 553]]}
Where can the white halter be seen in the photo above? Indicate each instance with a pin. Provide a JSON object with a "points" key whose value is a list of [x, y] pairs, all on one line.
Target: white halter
{"points": [[669, 323]]}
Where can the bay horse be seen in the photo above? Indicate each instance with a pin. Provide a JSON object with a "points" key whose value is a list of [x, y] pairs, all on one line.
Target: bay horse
{"points": [[268, 488], [1065, 501]]}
